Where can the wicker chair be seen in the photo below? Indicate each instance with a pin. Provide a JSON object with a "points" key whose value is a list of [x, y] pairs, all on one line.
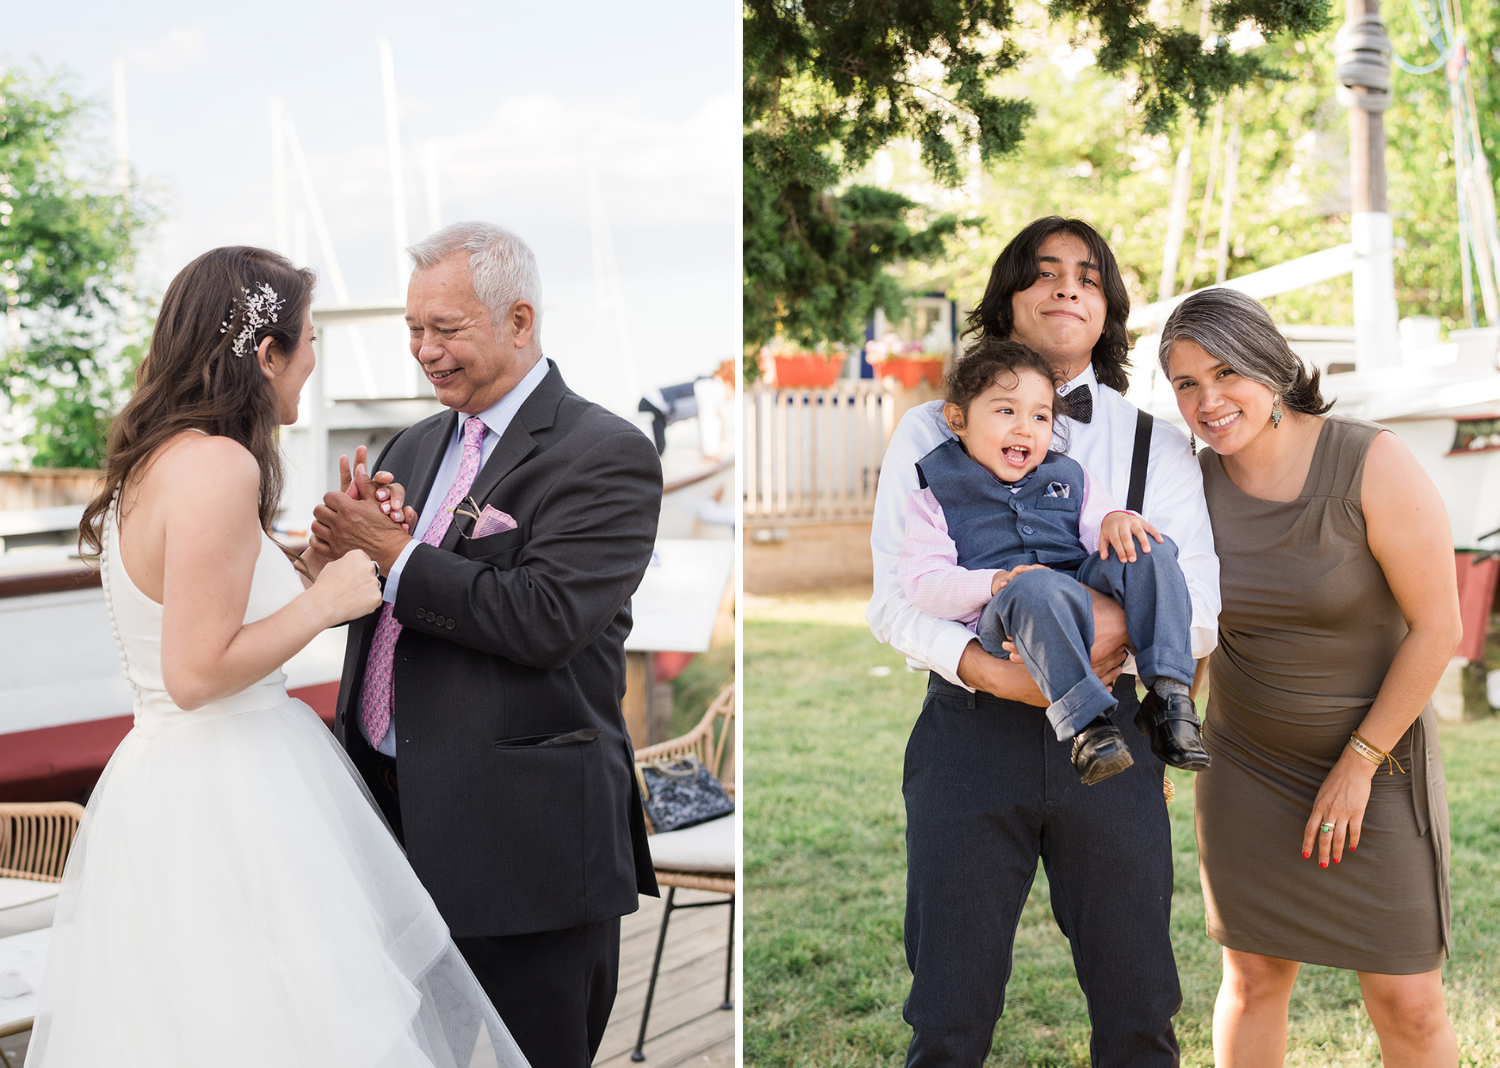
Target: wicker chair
{"points": [[34, 839], [712, 742]]}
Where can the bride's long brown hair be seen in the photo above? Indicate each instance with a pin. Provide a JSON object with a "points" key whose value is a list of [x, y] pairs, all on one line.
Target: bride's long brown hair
{"points": [[191, 378]]}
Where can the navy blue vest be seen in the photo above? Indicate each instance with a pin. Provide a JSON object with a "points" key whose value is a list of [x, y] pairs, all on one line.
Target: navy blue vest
{"points": [[993, 527]]}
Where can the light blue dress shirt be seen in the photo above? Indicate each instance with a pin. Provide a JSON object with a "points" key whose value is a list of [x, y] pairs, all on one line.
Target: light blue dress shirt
{"points": [[497, 419]]}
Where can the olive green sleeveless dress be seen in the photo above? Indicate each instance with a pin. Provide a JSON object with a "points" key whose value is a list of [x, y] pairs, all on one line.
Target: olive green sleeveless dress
{"points": [[1308, 630]]}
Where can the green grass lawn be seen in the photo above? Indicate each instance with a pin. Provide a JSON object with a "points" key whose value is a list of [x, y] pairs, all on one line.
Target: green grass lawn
{"points": [[825, 975]]}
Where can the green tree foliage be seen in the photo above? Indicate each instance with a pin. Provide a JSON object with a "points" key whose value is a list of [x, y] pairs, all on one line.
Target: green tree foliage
{"points": [[1087, 157], [1419, 158], [65, 243], [830, 82]]}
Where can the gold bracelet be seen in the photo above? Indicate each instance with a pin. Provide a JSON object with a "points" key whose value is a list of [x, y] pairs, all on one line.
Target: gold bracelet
{"points": [[1375, 756]]}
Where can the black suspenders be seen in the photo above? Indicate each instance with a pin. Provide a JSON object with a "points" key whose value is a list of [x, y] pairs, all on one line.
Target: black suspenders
{"points": [[1138, 459]]}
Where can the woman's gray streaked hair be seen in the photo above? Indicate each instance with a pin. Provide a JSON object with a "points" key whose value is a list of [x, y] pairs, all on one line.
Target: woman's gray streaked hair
{"points": [[501, 265], [1238, 330]]}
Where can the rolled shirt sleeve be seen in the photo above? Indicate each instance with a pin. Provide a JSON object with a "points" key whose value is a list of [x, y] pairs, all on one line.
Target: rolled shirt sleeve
{"points": [[1175, 505], [929, 570]]}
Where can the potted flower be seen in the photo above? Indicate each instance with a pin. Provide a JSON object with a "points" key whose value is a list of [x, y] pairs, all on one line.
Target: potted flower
{"points": [[905, 361]]}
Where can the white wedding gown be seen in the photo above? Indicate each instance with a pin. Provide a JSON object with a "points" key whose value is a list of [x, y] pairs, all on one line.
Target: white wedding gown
{"points": [[234, 897]]}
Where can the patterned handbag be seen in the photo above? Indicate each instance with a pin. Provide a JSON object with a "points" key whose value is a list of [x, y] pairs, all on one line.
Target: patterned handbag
{"points": [[680, 792]]}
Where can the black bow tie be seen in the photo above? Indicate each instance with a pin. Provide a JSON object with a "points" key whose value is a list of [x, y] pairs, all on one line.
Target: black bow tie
{"points": [[1078, 405]]}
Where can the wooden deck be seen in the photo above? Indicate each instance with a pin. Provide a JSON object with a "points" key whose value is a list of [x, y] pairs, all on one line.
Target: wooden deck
{"points": [[687, 1027]]}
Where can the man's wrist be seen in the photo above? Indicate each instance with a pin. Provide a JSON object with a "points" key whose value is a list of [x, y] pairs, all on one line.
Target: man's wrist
{"points": [[389, 551], [996, 676]]}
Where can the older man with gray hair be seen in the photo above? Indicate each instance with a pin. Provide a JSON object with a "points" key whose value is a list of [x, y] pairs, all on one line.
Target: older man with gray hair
{"points": [[481, 704]]}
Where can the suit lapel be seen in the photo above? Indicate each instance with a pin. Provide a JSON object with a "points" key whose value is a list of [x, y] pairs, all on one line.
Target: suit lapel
{"points": [[429, 458], [516, 443]]}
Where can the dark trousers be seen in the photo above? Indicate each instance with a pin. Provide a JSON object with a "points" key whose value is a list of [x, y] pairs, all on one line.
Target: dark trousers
{"points": [[553, 989], [989, 788], [1050, 616]]}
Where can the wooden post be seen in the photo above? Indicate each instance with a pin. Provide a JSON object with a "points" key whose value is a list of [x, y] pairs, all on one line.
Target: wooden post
{"points": [[1363, 67]]}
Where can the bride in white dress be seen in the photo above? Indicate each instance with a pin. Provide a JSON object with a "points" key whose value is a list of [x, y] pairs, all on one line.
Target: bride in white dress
{"points": [[233, 896]]}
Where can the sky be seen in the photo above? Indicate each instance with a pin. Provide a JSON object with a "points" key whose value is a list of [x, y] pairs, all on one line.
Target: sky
{"points": [[511, 96]]}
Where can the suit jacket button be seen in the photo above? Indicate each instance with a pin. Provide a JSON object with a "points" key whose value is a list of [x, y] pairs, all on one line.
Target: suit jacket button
{"points": [[450, 624], [429, 617]]}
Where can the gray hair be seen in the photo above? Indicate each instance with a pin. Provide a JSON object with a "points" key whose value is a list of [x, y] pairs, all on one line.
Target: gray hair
{"points": [[502, 267], [1237, 329]]}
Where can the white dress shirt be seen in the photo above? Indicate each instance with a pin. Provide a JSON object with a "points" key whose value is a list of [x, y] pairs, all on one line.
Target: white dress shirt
{"points": [[1174, 504], [497, 419]]}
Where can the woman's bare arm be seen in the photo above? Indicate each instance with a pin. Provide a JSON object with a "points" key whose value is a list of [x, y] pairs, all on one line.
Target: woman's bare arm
{"points": [[1410, 537], [205, 493]]}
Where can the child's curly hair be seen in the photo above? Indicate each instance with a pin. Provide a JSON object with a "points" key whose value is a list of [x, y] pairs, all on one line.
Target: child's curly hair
{"points": [[985, 362]]}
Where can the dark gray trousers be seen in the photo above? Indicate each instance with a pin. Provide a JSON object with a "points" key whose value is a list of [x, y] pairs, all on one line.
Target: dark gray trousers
{"points": [[989, 789]]}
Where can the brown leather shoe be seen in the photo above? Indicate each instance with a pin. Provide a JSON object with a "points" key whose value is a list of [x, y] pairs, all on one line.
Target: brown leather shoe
{"points": [[1175, 733], [1099, 752]]}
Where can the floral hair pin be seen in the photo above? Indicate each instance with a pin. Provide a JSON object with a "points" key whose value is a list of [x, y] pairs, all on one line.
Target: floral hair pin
{"points": [[258, 309]]}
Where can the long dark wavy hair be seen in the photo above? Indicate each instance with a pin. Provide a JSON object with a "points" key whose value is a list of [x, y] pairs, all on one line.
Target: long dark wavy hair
{"points": [[191, 378], [1016, 269]]}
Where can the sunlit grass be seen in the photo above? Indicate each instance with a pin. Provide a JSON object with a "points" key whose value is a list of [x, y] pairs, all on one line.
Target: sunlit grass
{"points": [[825, 874]]}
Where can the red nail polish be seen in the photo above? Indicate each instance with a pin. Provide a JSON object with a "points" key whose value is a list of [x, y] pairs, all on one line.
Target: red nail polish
{"points": [[1322, 863], [1352, 847], [1336, 859], [1306, 855]]}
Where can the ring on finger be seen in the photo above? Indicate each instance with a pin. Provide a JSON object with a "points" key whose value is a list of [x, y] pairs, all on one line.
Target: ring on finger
{"points": [[1326, 828]]}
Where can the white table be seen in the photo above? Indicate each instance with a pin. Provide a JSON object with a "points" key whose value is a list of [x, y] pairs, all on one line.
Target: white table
{"points": [[678, 600], [674, 611], [25, 953]]}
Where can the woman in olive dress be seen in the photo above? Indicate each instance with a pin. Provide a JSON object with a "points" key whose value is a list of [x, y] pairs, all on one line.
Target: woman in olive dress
{"points": [[1322, 823]]}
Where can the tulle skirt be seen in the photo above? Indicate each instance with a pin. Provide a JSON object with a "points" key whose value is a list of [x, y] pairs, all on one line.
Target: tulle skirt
{"points": [[234, 898]]}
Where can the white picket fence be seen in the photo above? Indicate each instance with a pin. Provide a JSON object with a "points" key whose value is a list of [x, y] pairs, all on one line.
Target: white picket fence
{"points": [[813, 455]]}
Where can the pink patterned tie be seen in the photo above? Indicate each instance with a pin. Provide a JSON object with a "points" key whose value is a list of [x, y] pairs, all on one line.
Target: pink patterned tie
{"points": [[375, 704]]}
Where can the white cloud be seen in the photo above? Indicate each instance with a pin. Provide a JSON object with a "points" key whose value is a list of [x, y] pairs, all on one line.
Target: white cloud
{"points": [[178, 49]]}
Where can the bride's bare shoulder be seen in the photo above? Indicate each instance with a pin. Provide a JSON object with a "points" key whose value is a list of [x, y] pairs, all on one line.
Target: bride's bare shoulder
{"points": [[203, 468]]}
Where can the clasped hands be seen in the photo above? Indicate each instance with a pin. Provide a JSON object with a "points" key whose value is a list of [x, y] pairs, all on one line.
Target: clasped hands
{"points": [[368, 512]]}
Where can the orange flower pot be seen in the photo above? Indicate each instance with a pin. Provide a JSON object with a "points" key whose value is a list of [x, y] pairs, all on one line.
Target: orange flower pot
{"points": [[910, 371], [807, 371]]}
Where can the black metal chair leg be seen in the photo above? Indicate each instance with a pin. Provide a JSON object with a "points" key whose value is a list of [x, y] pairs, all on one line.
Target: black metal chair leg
{"points": [[727, 1003], [661, 941]]}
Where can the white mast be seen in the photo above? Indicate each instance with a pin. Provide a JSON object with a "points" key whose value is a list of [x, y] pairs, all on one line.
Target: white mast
{"points": [[278, 176], [122, 180], [620, 387], [393, 147], [122, 132], [330, 258], [434, 199]]}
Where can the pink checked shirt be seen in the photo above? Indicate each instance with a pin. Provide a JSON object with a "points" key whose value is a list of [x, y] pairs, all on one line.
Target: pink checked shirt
{"points": [[928, 568]]}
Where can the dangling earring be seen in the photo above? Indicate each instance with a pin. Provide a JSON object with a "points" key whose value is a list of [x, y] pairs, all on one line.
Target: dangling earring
{"points": [[1276, 412], [1192, 443]]}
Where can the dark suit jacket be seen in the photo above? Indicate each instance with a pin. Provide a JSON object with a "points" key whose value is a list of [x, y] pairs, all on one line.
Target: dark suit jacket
{"points": [[509, 640]]}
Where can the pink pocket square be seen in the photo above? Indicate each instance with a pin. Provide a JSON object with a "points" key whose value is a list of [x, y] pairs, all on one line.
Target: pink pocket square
{"points": [[492, 521]]}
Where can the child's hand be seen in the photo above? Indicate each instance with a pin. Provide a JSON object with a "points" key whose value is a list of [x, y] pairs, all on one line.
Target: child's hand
{"points": [[1002, 578], [1122, 530]]}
